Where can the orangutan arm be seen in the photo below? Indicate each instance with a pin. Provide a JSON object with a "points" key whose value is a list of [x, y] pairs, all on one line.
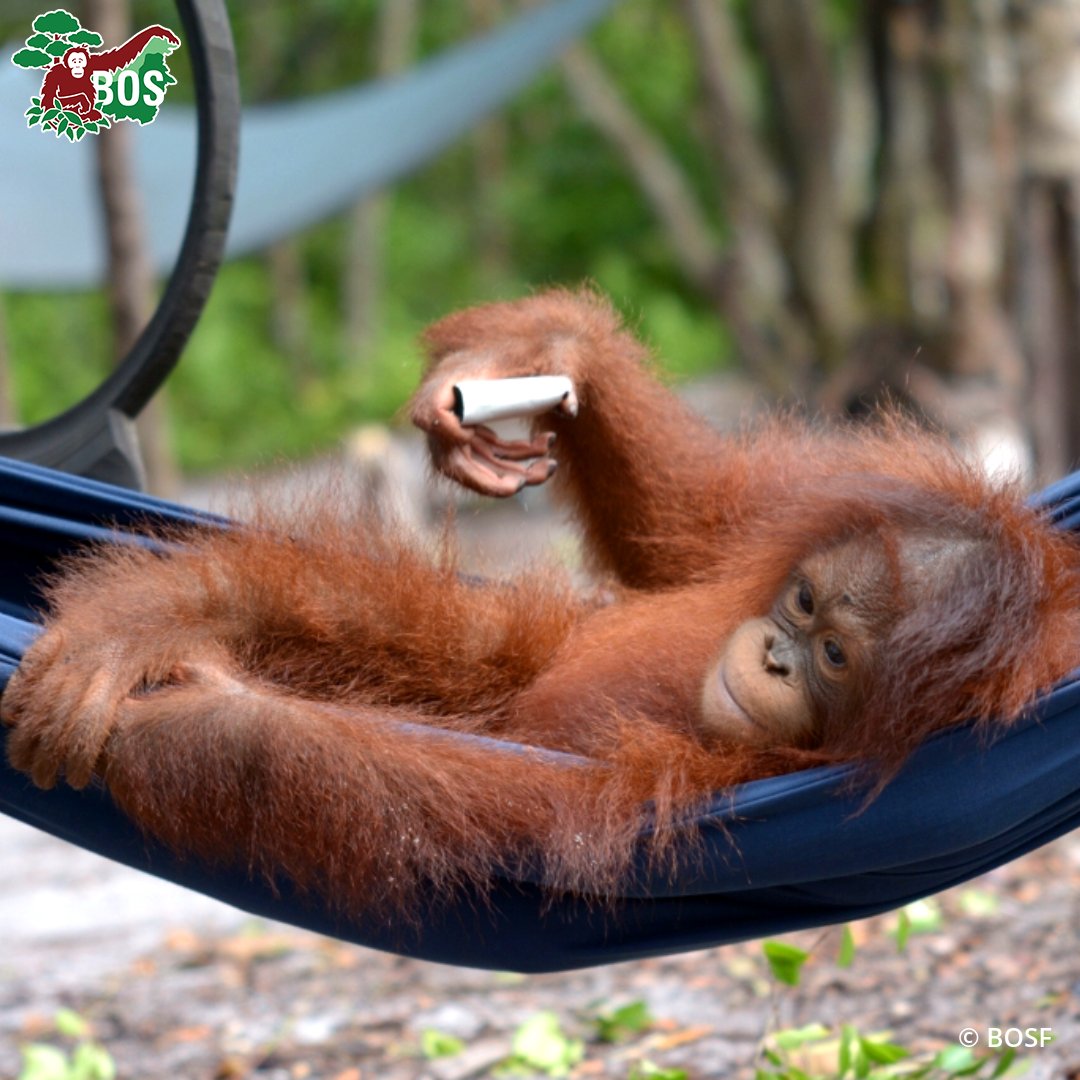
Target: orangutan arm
{"points": [[342, 614], [653, 486]]}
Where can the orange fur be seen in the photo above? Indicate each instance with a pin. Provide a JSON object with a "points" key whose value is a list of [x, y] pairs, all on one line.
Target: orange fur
{"points": [[272, 695]]}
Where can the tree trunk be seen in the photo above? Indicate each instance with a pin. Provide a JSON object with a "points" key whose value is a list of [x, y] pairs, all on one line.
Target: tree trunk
{"points": [[290, 326], [395, 43], [8, 412], [131, 288], [750, 188], [820, 244], [1048, 286], [490, 157], [663, 183]]}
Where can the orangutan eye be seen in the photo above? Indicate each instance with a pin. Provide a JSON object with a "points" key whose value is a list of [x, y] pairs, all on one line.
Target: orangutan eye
{"points": [[805, 599], [834, 654]]}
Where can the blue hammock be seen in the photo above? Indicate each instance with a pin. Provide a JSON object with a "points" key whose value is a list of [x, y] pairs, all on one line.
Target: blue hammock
{"points": [[780, 854]]}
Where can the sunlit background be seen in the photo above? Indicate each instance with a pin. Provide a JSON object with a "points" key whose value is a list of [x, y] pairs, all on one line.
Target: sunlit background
{"points": [[829, 199]]}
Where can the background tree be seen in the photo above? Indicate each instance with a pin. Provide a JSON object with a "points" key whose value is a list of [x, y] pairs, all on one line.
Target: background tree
{"points": [[131, 288], [834, 197]]}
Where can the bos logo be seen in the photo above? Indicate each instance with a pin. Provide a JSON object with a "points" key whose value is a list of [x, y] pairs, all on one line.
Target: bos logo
{"points": [[86, 88]]}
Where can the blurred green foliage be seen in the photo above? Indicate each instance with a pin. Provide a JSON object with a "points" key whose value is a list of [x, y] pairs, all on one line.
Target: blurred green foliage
{"points": [[560, 206]]}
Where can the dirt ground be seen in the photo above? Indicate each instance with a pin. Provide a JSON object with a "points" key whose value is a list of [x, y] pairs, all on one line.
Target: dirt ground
{"points": [[176, 985]]}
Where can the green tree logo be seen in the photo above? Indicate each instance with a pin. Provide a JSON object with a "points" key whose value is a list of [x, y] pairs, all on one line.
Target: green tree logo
{"points": [[84, 90]]}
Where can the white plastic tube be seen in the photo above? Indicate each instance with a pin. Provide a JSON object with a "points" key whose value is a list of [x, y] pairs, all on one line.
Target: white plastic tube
{"points": [[479, 401]]}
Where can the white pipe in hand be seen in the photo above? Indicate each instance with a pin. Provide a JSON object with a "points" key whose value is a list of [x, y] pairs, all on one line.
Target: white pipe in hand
{"points": [[479, 401]]}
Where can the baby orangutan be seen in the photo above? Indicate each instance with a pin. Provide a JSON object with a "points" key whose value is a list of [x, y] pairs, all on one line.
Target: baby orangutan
{"points": [[271, 695]]}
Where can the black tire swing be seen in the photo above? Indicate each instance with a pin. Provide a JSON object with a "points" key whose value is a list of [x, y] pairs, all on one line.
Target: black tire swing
{"points": [[96, 438]]}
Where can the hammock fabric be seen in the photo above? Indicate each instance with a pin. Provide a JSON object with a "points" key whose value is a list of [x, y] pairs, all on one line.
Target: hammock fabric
{"points": [[779, 854]]}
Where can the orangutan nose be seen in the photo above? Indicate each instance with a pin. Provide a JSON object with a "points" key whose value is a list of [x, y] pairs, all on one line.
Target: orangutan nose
{"points": [[775, 660]]}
